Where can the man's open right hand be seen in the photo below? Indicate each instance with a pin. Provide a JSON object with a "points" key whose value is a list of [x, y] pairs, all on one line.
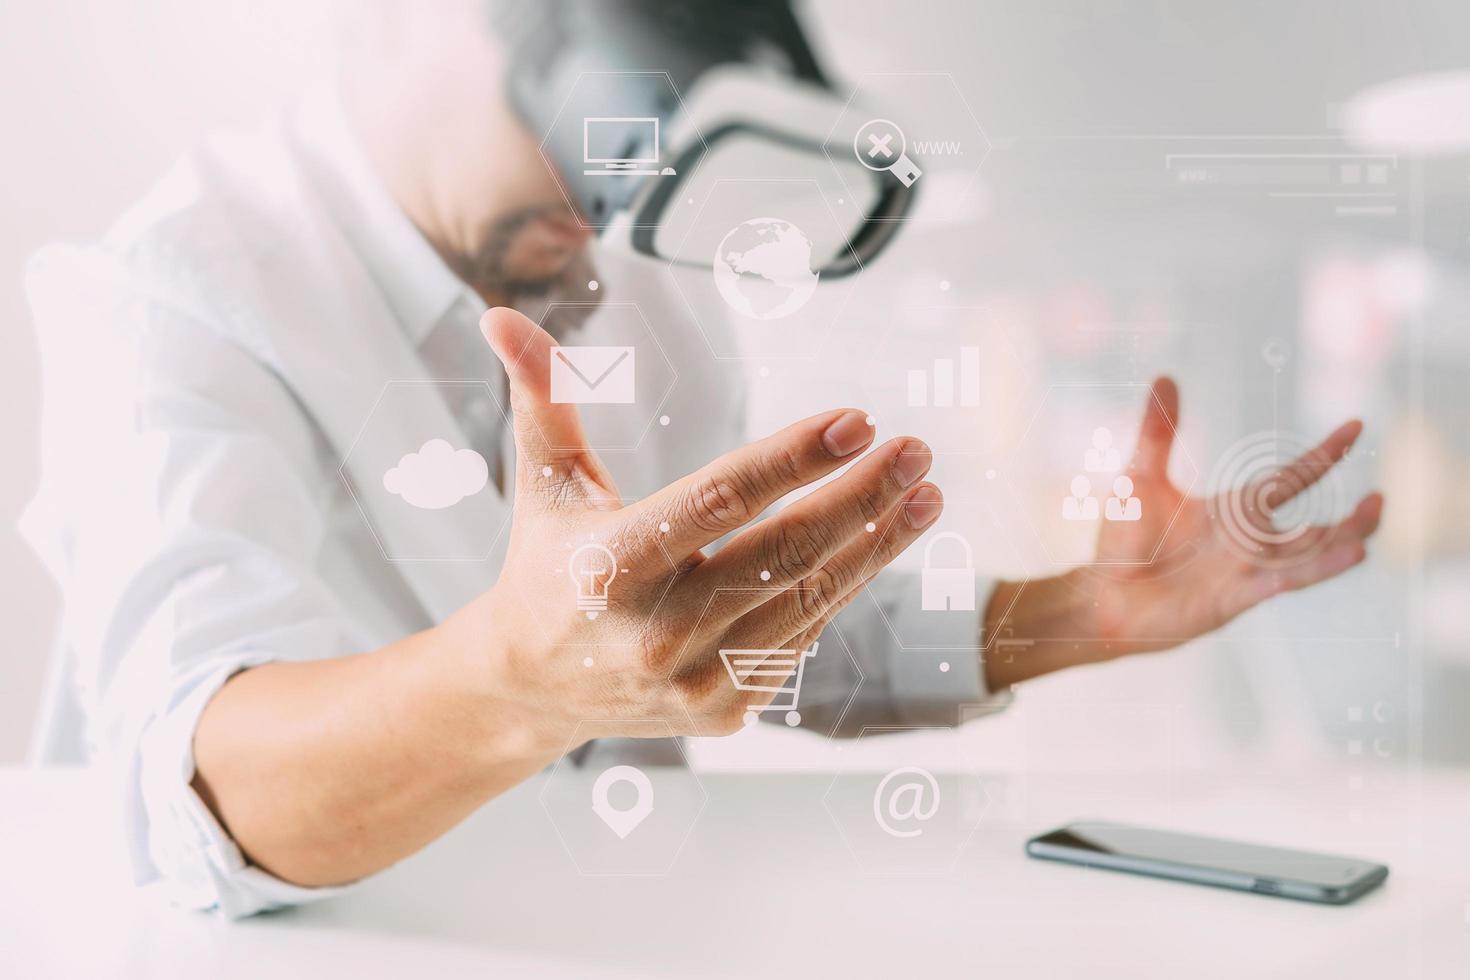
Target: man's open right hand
{"points": [[670, 608]]}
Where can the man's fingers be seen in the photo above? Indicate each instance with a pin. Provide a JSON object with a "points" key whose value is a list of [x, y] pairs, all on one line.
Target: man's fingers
{"points": [[1364, 519], [548, 436], [1156, 435], [786, 548], [795, 618], [1347, 535], [1340, 547], [1333, 560], [1307, 469], [799, 608], [735, 489]]}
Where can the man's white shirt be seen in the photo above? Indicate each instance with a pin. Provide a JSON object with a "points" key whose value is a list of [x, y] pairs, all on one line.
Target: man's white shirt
{"points": [[208, 369]]}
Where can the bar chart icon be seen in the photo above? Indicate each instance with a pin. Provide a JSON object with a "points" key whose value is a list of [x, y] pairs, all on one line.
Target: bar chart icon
{"points": [[936, 386]]}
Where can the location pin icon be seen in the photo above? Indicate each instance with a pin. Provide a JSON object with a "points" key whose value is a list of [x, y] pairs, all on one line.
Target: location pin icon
{"points": [[622, 822]]}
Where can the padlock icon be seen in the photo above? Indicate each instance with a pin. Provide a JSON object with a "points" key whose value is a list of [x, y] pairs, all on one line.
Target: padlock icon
{"points": [[947, 588]]}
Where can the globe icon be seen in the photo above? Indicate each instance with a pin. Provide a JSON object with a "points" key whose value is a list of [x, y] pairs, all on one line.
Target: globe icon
{"points": [[763, 268]]}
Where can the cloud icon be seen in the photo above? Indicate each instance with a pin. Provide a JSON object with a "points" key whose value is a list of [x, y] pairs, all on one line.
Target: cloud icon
{"points": [[437, 476]]}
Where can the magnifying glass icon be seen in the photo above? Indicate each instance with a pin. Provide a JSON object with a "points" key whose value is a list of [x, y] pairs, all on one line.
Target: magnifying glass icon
{"points": [[880, 145]]}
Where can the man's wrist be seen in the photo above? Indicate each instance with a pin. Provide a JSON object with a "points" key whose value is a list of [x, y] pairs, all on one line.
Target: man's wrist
{"points": [[475, 664], [1049, 625]]}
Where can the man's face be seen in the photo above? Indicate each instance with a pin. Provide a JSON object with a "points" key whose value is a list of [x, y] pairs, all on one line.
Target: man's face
{"points": [[530, 234], [497, 203], [430, 94], [526, 250]]}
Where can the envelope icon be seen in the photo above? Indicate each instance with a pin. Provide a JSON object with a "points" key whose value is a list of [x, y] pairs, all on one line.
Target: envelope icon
{"points": [[592, 375]]}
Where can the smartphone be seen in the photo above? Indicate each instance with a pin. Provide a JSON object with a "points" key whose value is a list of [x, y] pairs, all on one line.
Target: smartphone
{"points": [[1303, 875]]}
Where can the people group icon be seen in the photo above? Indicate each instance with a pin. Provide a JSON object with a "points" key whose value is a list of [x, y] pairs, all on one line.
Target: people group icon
{"points": [[1102, 457]]}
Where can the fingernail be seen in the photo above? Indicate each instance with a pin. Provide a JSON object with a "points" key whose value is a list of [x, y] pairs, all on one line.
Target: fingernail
{"points": [[847, 435], [911, 463], [923, 507]]}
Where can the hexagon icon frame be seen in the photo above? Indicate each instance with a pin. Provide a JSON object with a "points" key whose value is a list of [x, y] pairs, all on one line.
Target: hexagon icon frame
{"points": [[831, 628], [365, 513], [658, 345], [846, 283], [984, 644], [947, 866], [555, 171], [565, 760], [1178, 452], [986, 143], [989, 328]]}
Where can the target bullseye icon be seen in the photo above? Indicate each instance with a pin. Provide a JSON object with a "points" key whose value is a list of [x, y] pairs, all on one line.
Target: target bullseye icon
{"points": [[1257, 473]]}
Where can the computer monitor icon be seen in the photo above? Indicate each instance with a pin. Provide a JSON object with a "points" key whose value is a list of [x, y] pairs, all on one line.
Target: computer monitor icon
{"points": [[609, 140]]}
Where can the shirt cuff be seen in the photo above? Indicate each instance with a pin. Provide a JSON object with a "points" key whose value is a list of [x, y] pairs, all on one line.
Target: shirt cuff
{"points": [[196, 864]]}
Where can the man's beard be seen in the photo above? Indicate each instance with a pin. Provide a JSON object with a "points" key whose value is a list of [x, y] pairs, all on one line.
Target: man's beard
{"points": [[491, 272]]}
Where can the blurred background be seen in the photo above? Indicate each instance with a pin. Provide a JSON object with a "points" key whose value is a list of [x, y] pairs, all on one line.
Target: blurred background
{"points": [[1169, 189]]}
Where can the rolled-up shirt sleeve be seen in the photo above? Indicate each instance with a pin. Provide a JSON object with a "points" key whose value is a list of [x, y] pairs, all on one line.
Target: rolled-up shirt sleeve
{"points": [[180, 509], [880, 666], [194, 859]]}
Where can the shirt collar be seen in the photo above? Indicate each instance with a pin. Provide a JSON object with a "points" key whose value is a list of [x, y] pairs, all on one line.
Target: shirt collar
{"points": [[416, 283]]}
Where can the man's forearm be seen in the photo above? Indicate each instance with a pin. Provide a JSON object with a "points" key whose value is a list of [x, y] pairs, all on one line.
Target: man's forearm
{"points": [[326, 771]]}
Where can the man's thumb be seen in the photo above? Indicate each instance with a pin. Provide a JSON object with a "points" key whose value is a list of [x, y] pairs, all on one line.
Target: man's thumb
{"points": [[546, 434]]}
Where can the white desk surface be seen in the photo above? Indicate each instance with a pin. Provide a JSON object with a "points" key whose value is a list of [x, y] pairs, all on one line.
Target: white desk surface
{"points": [[499, 896]]}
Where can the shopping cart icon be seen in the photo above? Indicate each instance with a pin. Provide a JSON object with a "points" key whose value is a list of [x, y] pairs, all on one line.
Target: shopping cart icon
{"points": [[771, 672]]}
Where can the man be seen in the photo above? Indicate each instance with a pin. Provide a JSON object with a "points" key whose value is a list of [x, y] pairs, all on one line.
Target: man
{"points": [[288, 710]]}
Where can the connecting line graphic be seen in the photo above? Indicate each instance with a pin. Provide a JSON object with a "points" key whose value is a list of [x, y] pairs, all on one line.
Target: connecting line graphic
{"points": [[1216, 638], [1008, 644], [1276, 411]]}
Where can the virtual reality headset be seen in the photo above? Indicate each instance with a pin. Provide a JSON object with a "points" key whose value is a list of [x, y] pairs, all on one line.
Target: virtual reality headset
{"points": [[667, 122]]}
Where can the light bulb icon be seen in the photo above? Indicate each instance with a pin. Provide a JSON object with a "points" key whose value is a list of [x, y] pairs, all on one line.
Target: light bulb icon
{"points": [[592, 569]]}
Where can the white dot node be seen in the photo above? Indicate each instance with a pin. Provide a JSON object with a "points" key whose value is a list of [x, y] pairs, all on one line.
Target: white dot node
{"points": [[663, 526], [546, 471], [586, 661], [593, 285], [663, 420], [765, 576], [944, 667], [872, 421], [990, 474], [944, 285], [871, 527]]}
